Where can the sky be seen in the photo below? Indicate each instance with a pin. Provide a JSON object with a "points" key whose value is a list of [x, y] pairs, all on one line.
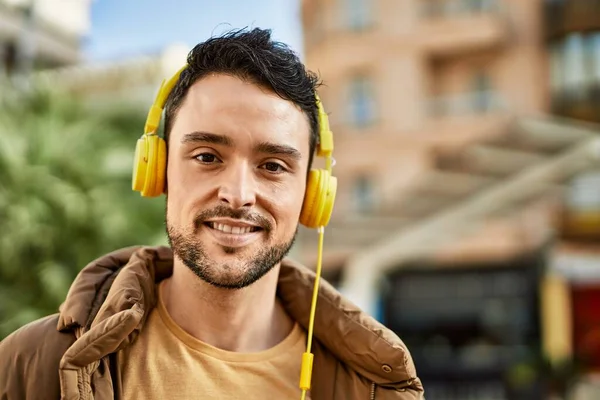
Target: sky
{"points": [[125, 28]]}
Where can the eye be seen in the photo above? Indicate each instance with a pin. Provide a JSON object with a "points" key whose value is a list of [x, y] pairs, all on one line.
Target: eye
{"points": [[274, 167], [206, 158]]}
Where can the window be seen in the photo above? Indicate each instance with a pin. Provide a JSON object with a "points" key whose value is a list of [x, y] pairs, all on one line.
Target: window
{"points": [[481, 5], [593, 63], [364, 196], [574, 59], [584, 192], [481, 89], [361, 102], [358, 14], [556, 69], [575, 67]]}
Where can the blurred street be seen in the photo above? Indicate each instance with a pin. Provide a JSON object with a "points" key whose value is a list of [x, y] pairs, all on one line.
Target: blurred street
{"points": [[467, 138]]}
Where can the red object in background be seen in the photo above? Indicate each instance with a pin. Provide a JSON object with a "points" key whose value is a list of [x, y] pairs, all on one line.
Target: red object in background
{"points": [[586, 324]]}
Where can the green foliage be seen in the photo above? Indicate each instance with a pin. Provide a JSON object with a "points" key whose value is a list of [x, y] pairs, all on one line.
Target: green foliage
{"points": [[65, 197]]}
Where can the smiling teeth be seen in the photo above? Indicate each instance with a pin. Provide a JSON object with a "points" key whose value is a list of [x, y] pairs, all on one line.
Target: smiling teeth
{"points": [[236, 230]]}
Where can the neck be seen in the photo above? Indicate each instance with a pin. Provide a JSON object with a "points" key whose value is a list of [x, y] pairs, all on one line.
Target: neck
{"points": [[243, 320]]}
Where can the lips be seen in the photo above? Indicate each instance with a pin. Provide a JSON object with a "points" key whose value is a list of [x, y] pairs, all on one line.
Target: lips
{"points": [[233, 229], [233, 234], [231, 218]]}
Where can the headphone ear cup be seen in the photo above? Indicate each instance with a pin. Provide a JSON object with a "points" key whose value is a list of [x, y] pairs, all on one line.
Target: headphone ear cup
{"points": [[318, 199], [140, 164], [328, 199], [149, 166], [161, 167], [150, 181], [153, 172], [312, 191]]}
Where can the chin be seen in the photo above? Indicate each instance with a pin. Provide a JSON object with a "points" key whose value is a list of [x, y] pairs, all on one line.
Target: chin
{"points": [[226, 261], [233, 274], [222, 253]]}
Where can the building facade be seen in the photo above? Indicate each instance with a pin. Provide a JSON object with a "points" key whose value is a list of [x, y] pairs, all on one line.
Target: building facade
{"points": [[407, 80], [468, 180]]}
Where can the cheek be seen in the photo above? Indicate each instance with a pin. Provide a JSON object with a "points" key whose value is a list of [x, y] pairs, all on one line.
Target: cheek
{"points": [[184, 192], [183, 177], [176, 175], [175, 189], [286, 204]]}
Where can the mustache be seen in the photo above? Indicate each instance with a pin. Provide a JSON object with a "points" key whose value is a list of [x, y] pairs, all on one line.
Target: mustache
{"points": [[222, 211]]}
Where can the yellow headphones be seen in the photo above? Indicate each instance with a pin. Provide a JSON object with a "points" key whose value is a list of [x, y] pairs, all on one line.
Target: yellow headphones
{"points": [[149, 171]]}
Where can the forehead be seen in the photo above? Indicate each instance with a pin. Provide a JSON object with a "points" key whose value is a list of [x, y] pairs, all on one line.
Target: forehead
{"points": [[228, 105]]}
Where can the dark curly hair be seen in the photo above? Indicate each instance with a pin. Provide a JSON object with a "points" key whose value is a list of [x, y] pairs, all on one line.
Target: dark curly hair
{"points": [[253, 56]]}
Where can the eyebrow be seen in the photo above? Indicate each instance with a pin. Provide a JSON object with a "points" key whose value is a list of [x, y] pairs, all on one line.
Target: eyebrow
{"points": [[207, 137], [279, 149]]}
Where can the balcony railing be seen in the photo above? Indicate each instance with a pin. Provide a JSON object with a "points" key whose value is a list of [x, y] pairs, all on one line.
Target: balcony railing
{"points": [[466, 103], [450, 8], [453, 27]]}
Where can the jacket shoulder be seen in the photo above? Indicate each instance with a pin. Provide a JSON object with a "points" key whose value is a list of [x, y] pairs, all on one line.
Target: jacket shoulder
{"points": [[350, 384], [338, 380], [30, 358]]}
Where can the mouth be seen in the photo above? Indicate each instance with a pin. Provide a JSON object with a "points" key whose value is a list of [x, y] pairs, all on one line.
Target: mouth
{"points": [[233, 234], [232, 228]]}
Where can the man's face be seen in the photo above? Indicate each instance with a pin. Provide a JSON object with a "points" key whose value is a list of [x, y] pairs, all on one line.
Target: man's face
{"points": [[236, 173]]}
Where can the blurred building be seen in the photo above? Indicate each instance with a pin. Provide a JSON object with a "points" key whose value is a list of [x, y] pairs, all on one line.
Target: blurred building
{"points": [[468, 214], [47, 37], [133, 80], [39, 34]]}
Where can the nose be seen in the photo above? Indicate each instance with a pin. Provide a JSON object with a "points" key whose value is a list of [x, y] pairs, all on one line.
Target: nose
{"points": [[238, 187]]}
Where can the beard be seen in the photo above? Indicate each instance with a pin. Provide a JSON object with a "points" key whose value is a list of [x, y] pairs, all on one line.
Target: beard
{"points": [[247, 269]]}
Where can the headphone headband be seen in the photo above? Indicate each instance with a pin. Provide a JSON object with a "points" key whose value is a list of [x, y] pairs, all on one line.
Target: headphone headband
{"points": [[153, 119]]}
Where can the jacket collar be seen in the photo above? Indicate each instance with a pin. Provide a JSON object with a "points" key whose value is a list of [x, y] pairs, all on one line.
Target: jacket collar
{"points": [[112, 296]]}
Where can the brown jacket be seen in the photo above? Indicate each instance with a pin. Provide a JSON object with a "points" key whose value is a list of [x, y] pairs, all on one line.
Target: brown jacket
{"points": [[72, 355]]}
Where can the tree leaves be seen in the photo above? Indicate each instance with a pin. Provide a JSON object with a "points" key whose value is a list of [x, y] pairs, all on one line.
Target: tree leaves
{"points": [[65, 196]]}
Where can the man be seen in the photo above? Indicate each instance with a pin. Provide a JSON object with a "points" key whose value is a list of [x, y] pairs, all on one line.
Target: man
{"points": [[222, 313]]}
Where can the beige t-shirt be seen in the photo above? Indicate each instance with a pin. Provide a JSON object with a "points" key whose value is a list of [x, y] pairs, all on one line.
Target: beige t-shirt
{"points": [[165, 362]]}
